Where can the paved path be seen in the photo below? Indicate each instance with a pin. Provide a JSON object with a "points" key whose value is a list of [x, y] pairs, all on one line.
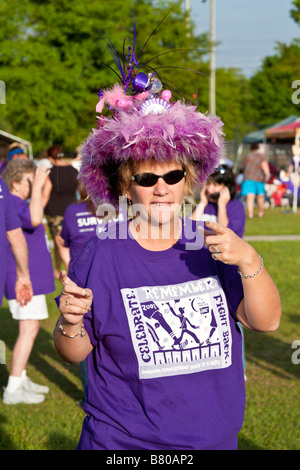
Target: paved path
{"points": [[271, 238]]}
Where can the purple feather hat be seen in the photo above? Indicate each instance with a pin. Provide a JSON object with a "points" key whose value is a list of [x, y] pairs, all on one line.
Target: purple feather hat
{"points": [[145, 125], [178, 133]]}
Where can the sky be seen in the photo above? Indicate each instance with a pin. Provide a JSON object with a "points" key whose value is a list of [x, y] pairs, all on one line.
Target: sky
{"points": [[247, 29]]}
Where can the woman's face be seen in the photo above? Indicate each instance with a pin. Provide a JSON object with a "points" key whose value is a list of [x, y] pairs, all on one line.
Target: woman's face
{"points": [[161, 203], [212, 187], [23, 187]]}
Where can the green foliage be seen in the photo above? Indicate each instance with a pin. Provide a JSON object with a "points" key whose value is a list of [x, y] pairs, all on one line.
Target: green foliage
{"points": [[271, 86], [295, 12], [53, 54], [232, 90], [54, 60]]}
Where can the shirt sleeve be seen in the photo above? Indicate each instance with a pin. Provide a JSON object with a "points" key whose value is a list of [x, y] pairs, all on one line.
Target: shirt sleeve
{"points": [[65, 232], [24, 215], [236, 216], [81, 274], [12, 220], [232, 285]]}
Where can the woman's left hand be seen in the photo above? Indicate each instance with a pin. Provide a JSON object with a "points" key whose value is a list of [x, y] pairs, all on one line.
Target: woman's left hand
{"points": [[229, 248]]}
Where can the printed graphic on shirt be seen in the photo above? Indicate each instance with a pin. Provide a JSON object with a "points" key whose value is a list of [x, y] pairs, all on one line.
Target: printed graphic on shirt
{"points": [[179, 329], [87, 222]]}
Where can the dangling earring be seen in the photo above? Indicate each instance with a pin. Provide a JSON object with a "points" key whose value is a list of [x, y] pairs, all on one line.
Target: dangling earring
{"points": [[129, 204]]}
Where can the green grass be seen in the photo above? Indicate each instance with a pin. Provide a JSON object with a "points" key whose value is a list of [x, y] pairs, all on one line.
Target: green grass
{"points": [[56, 423], [273, 382], [277, 221], [272, 414]]}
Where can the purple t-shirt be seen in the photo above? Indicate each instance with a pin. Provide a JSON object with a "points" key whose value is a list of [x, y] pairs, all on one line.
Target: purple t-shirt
{"points": [[235, 213], [79, 226], [166, 368], [9, 220], [39, 256]]}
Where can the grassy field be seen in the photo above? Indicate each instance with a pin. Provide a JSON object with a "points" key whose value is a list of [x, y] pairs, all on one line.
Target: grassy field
{"points": [[277, 221], [272, 414]]}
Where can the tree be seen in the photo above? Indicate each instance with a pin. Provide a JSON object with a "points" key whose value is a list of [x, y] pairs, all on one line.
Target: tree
{"points": [[295, 13], [271, 85], [53, 54]]}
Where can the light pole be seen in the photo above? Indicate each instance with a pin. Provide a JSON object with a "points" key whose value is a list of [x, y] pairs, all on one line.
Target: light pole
{"points": [[188, 18], [212, 62]]}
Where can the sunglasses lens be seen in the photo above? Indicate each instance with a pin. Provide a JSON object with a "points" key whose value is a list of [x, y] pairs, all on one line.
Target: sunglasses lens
{"points": [[146, 179], [150, 179], [174, 177]]}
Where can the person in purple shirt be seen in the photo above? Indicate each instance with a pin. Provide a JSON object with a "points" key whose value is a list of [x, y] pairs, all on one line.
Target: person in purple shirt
{"points": [[218, 201], [25, 181], [81, 222], [10, 229], [79, 225], [150, 386]]}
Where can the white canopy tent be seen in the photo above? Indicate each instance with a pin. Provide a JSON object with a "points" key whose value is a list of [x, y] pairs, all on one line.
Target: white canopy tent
{"points": [[9, 138]]}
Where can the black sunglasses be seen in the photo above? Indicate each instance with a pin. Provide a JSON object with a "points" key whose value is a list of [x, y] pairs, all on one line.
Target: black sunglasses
{"points": [[150, 179]]}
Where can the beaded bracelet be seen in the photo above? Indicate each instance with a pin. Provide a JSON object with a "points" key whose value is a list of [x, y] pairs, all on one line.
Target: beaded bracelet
{"points": [[250, 276], [80, 333]]}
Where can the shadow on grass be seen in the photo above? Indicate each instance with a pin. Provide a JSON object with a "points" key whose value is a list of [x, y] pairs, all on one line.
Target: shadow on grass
{"points": [[58, 441], [43, 354], [55, 441], [246, 444], [271, 354], [5, 441]]}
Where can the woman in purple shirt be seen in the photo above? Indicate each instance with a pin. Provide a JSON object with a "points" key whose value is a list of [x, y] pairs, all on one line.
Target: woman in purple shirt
{"points": [[134, 296], [218, 202], [26, 181]]}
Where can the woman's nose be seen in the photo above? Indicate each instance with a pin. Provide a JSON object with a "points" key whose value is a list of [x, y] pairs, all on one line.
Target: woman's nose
{"points": [[161, 187]]}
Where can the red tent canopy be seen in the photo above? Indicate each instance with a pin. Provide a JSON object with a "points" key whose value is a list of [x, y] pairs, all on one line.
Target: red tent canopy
{"points": [[283, 132]]}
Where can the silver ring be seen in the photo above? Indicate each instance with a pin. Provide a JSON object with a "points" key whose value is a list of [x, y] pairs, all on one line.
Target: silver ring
{"points": [[67, 301], [215, 255], [63, 292]]}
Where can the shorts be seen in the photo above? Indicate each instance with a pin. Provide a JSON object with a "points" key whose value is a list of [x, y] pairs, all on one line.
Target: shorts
{"points": [[36, 309], [55, 223], [253, 187]]}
